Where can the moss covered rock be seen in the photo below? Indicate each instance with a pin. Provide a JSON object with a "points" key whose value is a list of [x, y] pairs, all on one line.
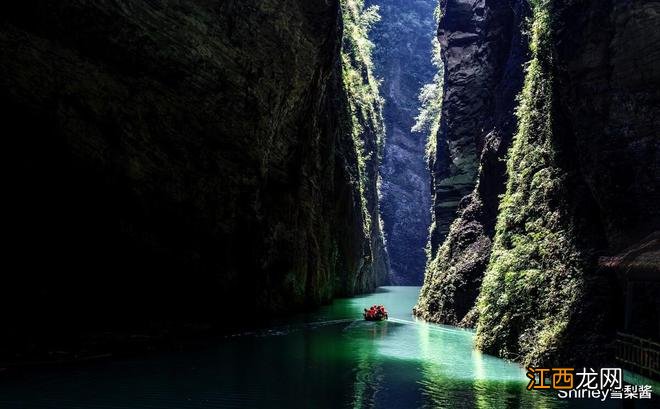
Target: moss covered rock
{"points": [[457, 264], [581, 183]]}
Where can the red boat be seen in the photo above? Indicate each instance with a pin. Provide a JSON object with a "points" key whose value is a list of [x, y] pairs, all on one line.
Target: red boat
{"points": [[375, 313]]}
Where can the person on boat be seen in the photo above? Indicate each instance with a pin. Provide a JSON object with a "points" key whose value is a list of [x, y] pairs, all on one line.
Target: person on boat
{"points": [[382, 311], [375, 312]]}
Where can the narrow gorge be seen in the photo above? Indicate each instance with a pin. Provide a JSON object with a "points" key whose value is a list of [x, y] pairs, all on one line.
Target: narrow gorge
{"points": [[402, 57], [326, 203]]}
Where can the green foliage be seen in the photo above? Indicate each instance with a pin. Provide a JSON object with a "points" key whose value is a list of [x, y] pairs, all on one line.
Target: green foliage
{"points": [[364, 100], [430, 98], [428, 121], [535, 276], [359, 80]]}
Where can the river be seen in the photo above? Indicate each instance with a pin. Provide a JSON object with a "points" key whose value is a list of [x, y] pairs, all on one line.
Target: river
{"points": [[326, 359]]}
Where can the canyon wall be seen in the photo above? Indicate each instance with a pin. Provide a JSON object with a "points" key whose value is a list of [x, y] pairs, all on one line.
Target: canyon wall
{"points": [[402, 59], [483, 51], [581, 187], [176, 162]]}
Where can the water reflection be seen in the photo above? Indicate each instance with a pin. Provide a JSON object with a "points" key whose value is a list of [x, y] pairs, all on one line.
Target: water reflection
{"points": [[328, 359], [446, 370], [369, 373], [443, 368]]}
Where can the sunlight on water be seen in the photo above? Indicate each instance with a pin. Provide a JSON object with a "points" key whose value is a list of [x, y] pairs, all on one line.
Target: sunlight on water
{"points": [[448, 349], [447, 371], [330, 358]]}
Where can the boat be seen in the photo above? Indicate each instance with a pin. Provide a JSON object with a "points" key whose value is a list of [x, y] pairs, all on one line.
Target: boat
{"points": [[375, 313]]}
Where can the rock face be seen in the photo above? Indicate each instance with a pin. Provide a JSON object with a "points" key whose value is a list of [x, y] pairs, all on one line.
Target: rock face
{"points": [[582, 183], [402, 59], [173, 161], [483, 52], [582, 175], [475, 37]]}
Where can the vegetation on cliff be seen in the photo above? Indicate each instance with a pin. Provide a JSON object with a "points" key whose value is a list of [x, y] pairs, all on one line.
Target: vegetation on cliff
{"points": [[523, 258], [430, 98], [456, 265], [430, 113], [364, 102], [534, 280]]}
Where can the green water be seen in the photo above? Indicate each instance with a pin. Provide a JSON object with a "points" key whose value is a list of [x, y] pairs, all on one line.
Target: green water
{"points": [[326, 359]]}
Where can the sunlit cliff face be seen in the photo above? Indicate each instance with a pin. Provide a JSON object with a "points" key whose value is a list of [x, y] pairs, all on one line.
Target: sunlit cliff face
{"points": [[562, 179]]}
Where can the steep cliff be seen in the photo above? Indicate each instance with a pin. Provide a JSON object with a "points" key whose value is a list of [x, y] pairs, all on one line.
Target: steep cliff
{"points": [[366, 125], [582, 183], [483, 50], [173, 161], [402, 59]]}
